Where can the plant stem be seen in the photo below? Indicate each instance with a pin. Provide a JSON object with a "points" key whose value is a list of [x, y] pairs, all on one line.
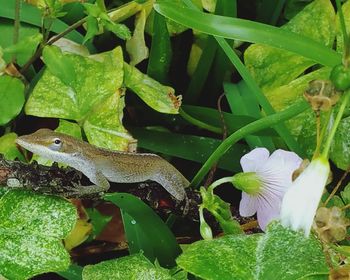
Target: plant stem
{"points": [[16, 25], [327, 146], [39, 51], [199, 123], [336, 187], [323, 132], [260, 124]]}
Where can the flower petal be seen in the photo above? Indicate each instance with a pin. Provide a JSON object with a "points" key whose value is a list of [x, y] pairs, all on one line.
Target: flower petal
{"points": [[248, 205], [268, 209], [301, 200], [253, 160], [283, 163]]}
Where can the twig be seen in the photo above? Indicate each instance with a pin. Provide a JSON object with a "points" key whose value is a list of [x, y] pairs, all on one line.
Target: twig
{"points": [[337, 186], [224, 136]]}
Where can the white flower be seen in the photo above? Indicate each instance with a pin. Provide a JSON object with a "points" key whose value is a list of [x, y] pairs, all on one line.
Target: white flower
{"points": [[274, 176], [301, 201]]}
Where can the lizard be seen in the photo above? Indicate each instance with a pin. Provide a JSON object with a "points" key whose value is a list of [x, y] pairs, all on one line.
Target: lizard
{"points": [[101, 165]]}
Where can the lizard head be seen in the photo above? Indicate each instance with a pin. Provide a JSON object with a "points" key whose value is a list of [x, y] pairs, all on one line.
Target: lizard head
{"points": [[49, 144]]}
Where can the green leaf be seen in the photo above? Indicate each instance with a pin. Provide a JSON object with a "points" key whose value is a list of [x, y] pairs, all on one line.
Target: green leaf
{"points": [[273, 67], [288, 255], [31, 231], [92, 28], [248, 31], [104, 126], [8, 147], [26, 32], [130, 267], [93, 100], [284, 96], [138, 241], [74, 272], [119, 29], [32, 15], [24, 49], [136, 45], [340, 149], [233, 122], [98, 221], [345, 194], [60, 65], [180, 145], [340, 38], [243, 102], [161, 52], [221, 258], [159, 97], [162, 240], [11, 98], [280, 253]]}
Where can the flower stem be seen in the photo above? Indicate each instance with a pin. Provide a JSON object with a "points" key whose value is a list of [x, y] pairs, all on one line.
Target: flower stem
{"points": [[327, 147], [257, 125], [220, 182], [323, 132]]}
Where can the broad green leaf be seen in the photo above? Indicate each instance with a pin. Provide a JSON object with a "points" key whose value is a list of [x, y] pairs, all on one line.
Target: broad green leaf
{"points": [[104, 126], [228, 257], [161, 239], [26, 32], [284, 96], [74, 272], [11, 98], [272, 67], [280, 253], [159, 97], [96, 80], [31, 231], [138, 241], [340, 149], [8, 147], [130, 267], [60, 65], [288, 255], [136, 45], [93, 100]]}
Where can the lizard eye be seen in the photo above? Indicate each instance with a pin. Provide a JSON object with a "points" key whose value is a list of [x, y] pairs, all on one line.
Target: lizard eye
{"points": [[56, 144]]}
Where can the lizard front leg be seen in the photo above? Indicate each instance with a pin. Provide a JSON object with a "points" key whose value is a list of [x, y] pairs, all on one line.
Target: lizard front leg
{"points": [[100, 181]]}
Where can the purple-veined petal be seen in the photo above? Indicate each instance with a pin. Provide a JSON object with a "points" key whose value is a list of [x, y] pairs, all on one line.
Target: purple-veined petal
{"points": [[282, 164], [248, 205], [269, 206], [252, 161]]}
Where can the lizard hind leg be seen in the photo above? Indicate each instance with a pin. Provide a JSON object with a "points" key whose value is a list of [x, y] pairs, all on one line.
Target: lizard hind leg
{"points": [[173, 181]]}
